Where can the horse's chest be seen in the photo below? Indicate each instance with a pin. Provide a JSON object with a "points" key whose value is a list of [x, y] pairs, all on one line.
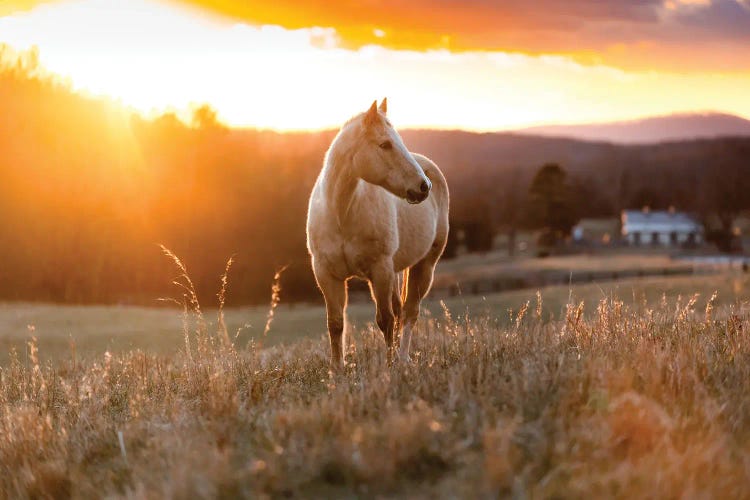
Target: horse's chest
{"points": [[355, 256]]}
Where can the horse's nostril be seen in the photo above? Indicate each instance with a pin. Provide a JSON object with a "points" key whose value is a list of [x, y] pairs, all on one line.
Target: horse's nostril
{"points": [[424, 187]]}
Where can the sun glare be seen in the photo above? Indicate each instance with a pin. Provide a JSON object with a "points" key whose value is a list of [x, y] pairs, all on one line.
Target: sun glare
{"points": [[156, 56]]}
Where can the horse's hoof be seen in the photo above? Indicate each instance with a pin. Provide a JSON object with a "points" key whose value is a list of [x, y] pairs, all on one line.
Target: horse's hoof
{"points": [[336, 368]]}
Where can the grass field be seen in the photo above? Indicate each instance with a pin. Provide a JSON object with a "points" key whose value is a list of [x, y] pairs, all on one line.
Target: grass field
{"points": [[96, 329], [612, 261], [625, 399], [471, 267]]}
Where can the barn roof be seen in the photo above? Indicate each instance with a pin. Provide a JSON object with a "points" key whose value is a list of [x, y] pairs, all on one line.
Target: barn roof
{"points": [[658, 221]]}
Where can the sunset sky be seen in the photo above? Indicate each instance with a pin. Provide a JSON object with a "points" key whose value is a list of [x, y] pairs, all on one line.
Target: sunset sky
{"points": [[471, 64]]}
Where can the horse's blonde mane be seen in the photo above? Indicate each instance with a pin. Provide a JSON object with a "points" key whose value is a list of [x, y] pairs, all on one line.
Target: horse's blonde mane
{"points": [[351, 120], [336, 176], [359, 117]]}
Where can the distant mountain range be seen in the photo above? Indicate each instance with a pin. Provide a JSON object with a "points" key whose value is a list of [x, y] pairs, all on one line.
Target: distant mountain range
{"points": [[675, 127]]}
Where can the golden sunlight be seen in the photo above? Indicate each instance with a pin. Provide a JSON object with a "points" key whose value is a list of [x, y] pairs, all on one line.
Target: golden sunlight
{"points": [[155, 56]]}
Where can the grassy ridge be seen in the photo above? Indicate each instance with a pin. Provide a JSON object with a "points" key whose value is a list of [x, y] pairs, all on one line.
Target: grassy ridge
{"points": [[609, 400]]}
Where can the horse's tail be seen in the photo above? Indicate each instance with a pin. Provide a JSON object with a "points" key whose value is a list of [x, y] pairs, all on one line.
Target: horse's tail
{"points": [[404, 285]]}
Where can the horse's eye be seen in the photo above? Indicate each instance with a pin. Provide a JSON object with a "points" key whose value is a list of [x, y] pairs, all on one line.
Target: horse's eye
{"points": [[386, 145]]}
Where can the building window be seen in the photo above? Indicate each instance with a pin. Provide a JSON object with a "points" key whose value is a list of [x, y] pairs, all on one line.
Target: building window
{"points": [[636, 238], [673, 238], [654, 238]]}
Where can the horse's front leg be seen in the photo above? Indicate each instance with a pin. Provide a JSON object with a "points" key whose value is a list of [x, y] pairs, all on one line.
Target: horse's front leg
{"points": [[334, 292], [383, 285]]}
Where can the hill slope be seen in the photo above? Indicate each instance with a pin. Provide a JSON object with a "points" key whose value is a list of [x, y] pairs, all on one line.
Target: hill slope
{"points": [[651, 130]]}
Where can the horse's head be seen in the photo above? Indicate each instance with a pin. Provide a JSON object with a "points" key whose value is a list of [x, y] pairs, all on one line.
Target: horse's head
{"points": [[381, 158]]}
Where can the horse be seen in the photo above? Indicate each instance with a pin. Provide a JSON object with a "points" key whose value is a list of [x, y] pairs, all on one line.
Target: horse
{"points": [[376, 210]]}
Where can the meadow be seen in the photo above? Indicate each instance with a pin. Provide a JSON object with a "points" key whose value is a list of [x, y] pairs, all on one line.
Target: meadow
{"points": [[89, 331], [628, 389]]}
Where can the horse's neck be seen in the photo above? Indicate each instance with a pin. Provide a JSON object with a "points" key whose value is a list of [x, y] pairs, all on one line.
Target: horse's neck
{"points": [[340, 184]]}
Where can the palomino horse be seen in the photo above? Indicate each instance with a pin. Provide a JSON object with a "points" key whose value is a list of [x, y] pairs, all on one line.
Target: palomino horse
{"points": [[376, 210]]}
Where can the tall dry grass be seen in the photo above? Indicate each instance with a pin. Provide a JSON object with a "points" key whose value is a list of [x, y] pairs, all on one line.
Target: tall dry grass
{"points": [[611, 401]]}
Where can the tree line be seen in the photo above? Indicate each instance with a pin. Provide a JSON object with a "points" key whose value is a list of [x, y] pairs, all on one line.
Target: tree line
{"points": [[88, 190]]}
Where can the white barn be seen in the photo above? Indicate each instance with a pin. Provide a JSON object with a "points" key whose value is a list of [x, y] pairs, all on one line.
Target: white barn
{"points": [[660, 227]]}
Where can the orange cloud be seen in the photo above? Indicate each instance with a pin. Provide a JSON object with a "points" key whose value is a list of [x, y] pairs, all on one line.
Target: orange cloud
{"points": [[682, 35], [664, 35]]}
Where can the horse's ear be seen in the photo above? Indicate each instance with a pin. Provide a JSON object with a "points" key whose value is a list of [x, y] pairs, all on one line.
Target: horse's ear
{"points": [[372, 114], [384, 106]]}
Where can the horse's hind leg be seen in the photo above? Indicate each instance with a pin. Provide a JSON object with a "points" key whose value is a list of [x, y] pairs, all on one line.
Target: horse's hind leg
{"points": [[418, 284], [397, 308], [334, 292]]}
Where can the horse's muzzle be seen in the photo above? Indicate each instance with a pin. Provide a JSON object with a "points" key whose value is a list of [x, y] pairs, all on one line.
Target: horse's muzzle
{"points": [[413, 196]]}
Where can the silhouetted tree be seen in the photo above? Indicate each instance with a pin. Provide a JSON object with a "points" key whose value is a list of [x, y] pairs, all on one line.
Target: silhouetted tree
{"points": [[205, 117], [727, 189], [549, 206]]}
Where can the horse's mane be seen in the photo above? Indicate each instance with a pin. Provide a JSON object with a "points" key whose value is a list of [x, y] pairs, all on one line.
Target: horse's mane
{"points": [[351, 120], [356, 117]]}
